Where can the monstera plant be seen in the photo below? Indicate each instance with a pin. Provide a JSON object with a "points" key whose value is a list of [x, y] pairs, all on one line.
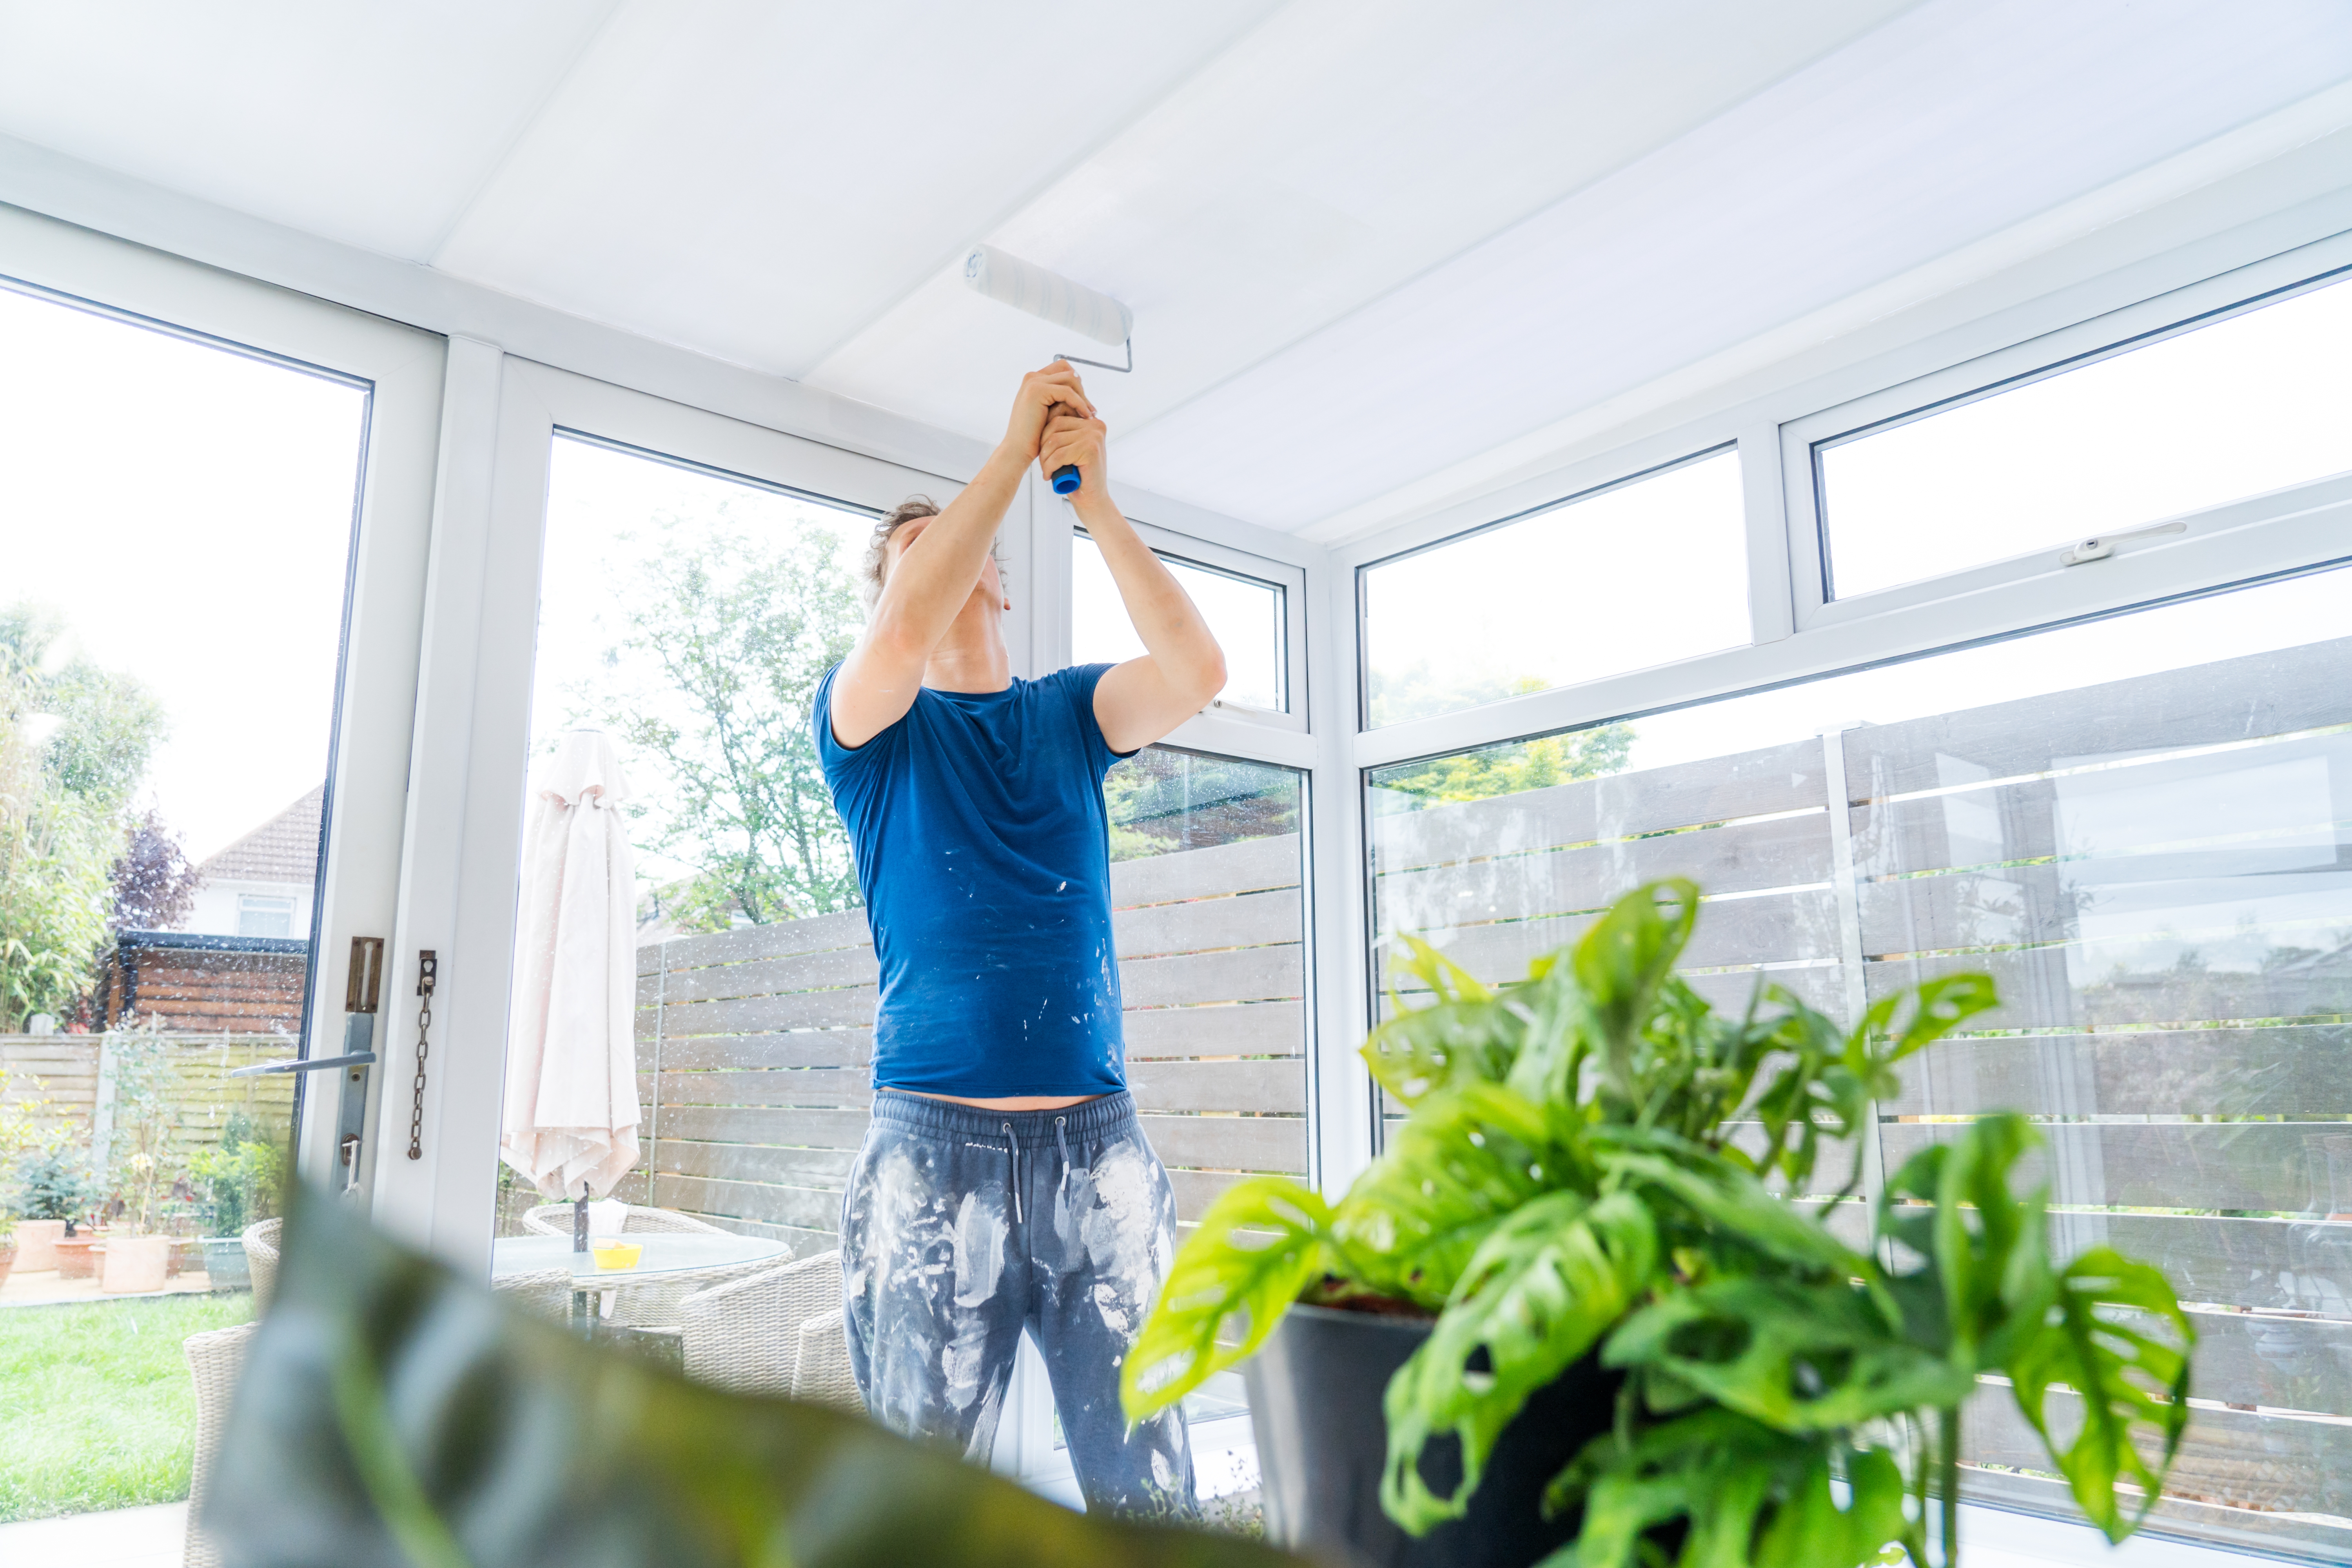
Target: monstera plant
{"points": [[1589, 1169]]}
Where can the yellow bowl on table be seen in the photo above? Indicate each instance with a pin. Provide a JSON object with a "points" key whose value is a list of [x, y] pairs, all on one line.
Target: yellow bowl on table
{"points": [[616, 1254]]}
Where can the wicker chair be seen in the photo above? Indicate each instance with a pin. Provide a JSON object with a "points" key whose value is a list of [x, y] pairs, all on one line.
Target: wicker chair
{"points": [[545, 1292], [555, 1219], [214, 1359], [751, 1335], [820, 1374], [261, 1257]]}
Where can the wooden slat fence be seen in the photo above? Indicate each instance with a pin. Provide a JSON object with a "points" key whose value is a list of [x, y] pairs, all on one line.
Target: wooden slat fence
{"points": [[753, 1046], [2158, 873], [64, 1074]]}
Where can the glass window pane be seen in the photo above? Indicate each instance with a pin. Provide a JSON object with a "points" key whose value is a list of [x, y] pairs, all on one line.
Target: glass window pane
{"points": [[1205, 873], [175, 532], [1642, 574], [1246, 615], [2142, 828], [2249, 403], [688, 617]]}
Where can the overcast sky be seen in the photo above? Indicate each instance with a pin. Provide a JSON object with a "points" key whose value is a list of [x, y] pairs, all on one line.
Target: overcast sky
{"points": [[188, 512]]}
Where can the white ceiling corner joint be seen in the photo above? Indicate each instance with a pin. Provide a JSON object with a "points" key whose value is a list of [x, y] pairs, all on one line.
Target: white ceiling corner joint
{"points": [[492, 168]]}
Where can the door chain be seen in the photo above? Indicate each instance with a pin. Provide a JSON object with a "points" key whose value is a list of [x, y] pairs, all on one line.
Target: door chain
{"points": [[427, 967]]}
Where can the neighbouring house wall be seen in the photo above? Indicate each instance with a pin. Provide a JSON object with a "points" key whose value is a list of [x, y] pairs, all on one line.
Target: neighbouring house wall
{"points": [[215, 909]]}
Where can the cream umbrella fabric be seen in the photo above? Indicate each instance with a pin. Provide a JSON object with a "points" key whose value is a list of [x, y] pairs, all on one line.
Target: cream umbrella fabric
{"points": [[572, 1082]]}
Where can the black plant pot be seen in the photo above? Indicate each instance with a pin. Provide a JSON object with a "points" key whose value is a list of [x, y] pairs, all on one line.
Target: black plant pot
{"points": [[1314, 1392]]}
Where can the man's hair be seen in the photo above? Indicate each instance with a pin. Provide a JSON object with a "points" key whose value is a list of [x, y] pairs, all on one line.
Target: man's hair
{"points": [[877, 565]]}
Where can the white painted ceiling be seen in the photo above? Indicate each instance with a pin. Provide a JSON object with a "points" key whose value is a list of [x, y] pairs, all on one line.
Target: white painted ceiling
{"points": [[1366, 241]]}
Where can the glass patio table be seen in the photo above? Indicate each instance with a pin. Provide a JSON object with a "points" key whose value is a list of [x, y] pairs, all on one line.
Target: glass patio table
{"points": [[667, 1260]]}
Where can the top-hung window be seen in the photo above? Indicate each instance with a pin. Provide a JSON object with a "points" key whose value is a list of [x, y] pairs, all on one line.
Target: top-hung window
{"points": [[2234, 403], [1639, 573]]}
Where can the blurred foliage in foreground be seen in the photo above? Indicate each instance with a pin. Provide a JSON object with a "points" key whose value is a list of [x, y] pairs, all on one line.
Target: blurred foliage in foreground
{"points": [[393, 1415]]}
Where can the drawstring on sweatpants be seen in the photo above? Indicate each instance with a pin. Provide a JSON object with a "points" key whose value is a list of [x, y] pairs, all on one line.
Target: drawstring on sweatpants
{"points": [[1012, 1148], [1062, 1187], [1060, 1123]]}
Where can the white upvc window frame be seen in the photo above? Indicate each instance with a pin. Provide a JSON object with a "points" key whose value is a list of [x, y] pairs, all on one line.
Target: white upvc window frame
{"points": [[1797, 634], [1602, 476], [401, 370], [2115, 334], [1287, 577]]}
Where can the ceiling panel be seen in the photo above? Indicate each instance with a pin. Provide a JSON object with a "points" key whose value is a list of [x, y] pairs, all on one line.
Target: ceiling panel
{"points": [[758, 180], [1951, 122], [1339, 151], [369, 124]]}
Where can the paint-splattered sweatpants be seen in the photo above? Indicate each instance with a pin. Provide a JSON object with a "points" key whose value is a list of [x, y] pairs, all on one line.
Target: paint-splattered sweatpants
{"points": [[963, 1227]]}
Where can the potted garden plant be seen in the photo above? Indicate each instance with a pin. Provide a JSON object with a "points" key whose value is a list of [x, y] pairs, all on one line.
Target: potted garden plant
{"points": [[7, 1244], [237, 1180], [1605, 1329], [53, 1190], [146, 1114]]}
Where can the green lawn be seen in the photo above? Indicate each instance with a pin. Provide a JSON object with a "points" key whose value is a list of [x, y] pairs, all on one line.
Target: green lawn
{"points": [[96, 1408]]}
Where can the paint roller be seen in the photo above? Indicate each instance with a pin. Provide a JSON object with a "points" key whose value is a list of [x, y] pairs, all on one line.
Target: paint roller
{"points": [[1025, 286]]}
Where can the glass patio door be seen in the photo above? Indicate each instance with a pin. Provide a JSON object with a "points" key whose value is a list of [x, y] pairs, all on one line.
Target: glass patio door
{"points": [[690, 579], [184, 738]]}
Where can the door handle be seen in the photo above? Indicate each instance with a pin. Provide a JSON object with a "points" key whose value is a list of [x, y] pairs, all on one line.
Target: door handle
{"points": [[361, 991]]}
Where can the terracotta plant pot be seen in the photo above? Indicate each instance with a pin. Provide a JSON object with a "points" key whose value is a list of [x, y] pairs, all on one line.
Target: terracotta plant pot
{"points": [[135, 1265], [74, 1259], [7, 1260], [36, 1244]]}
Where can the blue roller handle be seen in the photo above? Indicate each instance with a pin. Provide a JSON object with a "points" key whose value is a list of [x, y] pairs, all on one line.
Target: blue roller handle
{"points": [[1066, 480]]}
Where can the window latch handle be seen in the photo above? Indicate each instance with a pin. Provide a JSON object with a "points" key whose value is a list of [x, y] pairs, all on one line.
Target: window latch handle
{"points": [[2100, 548]]}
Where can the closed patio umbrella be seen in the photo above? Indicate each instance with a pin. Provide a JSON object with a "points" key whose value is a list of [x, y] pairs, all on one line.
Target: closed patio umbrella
{"points": [[571, 1114]]}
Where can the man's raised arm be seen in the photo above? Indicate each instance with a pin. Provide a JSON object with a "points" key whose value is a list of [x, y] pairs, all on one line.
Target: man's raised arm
{"points": [[1137, 702], [934, 576]]}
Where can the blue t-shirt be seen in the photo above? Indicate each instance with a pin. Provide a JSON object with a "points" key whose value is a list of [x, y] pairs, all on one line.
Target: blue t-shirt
{"points": [[984, 851]]}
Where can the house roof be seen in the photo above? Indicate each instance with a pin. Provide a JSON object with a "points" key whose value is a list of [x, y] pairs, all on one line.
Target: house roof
{"points": [[283, 849]]}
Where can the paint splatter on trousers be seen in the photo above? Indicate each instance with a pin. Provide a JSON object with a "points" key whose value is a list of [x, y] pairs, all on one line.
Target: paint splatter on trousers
{"points": [[961, 1228]]}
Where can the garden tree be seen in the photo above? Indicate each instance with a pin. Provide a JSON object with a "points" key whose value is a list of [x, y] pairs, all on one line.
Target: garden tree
{"points": [[74, 743], [730, 630], [154, 882], [1524, 765]]}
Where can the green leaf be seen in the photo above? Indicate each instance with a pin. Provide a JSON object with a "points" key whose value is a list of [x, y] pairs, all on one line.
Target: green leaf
{"points": [[1738, 1205], [1798, 1357], [1468, 1034], [1462, 1161], [1989, 1247], [1260, 1243], [1621, 962], [1810, 1530], [2133, 1386], [1754, 1498], [1937, 1007], [1540, 1290], [392, 1416]]}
